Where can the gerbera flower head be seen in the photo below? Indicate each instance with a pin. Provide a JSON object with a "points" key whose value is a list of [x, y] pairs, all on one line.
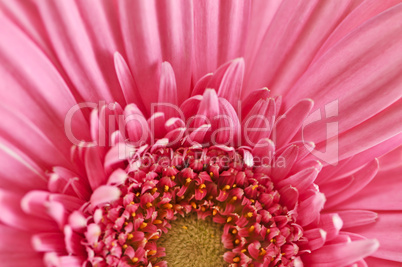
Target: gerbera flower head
{"points": [[155, 141]]}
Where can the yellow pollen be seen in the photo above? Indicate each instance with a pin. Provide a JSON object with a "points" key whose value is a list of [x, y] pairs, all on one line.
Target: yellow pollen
{"points": [[268, 231], [167, 206], [125, 223], [138, 193], [173, 177], [133, 214], [273, 240], [113, 244], [234, 231], [148, 205], [251, 229], [193, 205], [132, 203], [185, 227], [229, 219], [210, 197], [243, 250], [202, 186], [135, 259], [166, 188], [234, 185], [236, 259], [130, 236], [283, 253], [188, 180], [214, 212], [152, 252], [157, 222], [211, 174], [153, 191], [263, 252], [155, 237], [252, 200], [226, 187], [255, 186], [125, 246], [237, 241], [249, 214], [203, 209], [234, 199], [143, 225]]}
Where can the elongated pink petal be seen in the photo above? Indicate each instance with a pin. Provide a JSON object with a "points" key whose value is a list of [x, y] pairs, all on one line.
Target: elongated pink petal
{"points": [[176, 33], [48, 242], [259, 122], [12, 215], [16, 164], [218, 40], [280, 63], [360, 180], [309, 209], [167, 94], [365, 70], [288, 124], [353, 218], [104, 194], [232, 82], [13, 240], [382, 193], [127, 83], [316, 237], [386, 124], [341, 254], [142, 46], [365, 11], [94, 168], [76, 52]]}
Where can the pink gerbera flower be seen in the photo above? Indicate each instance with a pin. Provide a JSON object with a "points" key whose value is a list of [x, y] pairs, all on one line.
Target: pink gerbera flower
{"points": [[143, 133]]}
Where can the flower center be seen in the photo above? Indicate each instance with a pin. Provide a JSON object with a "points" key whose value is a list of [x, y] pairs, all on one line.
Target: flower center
{"points": [[193, 242], [194, 207]]}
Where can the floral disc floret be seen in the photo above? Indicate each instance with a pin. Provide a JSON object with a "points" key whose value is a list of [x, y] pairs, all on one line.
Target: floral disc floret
{"points": [[211, 183]]}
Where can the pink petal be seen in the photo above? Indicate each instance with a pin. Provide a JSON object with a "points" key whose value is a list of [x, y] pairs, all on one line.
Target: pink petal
{"points": [[142, 45], [232, 82], [127, 82], [385, 124], [309, 209], [365, 70], [365, 11], [289, 123], [16, 164], [259, 122], [21, 259], [382, 193], [176, 27], [218, 34], [167, 94], [77, 53], [94, 168], [48, 242], [316, 238], [353, 218], [372, 261], [104, 194], [340, 254], [299, 29], [360, 179], [13, 240]]}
